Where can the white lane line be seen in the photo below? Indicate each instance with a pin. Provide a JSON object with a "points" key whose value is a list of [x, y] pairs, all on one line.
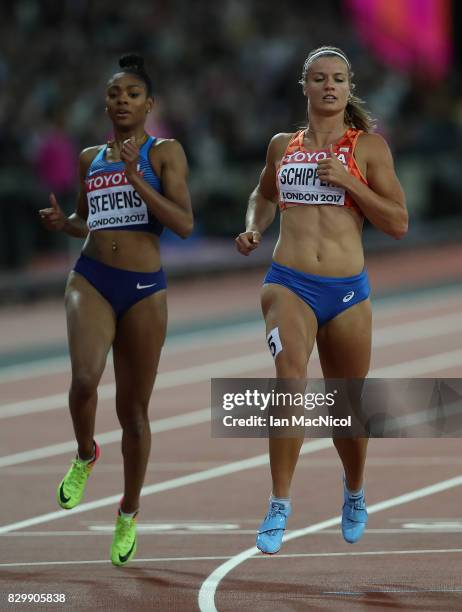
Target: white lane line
{"points": [[424, 365], [427, 300], [206, 598], [265, 558], [421, 329], [420, 302], [387, 336], [174, 483], [383, 307], [165, 380], [367, 553], [178, 344], [109, 529], [35, 369], [230, 366], [180, 466], [108, 561], [158, 426]]}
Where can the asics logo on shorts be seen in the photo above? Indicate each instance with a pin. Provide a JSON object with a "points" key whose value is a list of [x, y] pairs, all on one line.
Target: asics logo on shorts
{"points": [[348, 296], [139, 286]]}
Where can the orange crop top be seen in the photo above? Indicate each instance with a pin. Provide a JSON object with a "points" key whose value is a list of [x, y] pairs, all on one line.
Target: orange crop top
{"points": [[297, 177]]}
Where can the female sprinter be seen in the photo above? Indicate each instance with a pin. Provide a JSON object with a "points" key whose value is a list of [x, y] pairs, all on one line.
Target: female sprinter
{"points": [[326, 179], [116, 293]]}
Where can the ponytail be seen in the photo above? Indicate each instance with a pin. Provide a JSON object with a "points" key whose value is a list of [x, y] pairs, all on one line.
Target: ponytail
{"points": [[357, 116]]}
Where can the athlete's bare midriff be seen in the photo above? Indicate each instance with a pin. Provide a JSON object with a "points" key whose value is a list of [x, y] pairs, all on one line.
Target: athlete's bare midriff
{"points": [[320, 239], [128, 250]]}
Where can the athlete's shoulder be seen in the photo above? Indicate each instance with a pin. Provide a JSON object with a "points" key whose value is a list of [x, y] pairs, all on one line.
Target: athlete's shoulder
{"points": [[373, 145], [279, 143], [372, 140], [167, 150], [167, 146], [282, 138], [87, 155], [91, 151]]}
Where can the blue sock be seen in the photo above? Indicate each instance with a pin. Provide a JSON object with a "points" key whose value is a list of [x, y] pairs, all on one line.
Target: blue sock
{"points": [[354, 494], [285, 501]]}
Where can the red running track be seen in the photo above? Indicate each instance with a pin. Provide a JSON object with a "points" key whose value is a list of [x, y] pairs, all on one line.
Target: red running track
{"points": [[204, 497]]}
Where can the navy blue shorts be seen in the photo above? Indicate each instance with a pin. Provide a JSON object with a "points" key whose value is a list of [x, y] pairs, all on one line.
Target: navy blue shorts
{"points": [[121, 288], [327, 296]]}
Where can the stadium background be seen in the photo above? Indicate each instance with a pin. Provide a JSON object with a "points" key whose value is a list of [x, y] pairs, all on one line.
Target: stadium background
{"points": [[225, 76]]}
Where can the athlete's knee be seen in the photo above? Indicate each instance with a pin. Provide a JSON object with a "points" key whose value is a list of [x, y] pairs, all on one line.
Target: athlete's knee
{"points": [[71, 296], [84, 383], [290, 366], [135, 424]]}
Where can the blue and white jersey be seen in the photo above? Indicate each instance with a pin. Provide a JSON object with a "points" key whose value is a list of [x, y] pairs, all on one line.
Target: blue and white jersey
{"points": [[113, 203]]}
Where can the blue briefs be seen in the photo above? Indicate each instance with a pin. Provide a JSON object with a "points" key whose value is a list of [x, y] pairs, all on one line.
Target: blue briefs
{"points": [[327, 296], [121, 288]]}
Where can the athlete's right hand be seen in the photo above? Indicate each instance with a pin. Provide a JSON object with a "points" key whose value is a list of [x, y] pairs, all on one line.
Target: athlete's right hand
{"points": [[53, 218], [247, 242]]}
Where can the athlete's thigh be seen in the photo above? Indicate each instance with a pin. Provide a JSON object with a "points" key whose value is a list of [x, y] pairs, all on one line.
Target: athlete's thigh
{"points": [[344, 343], [90, 325], [138, 344], [295, 322]]}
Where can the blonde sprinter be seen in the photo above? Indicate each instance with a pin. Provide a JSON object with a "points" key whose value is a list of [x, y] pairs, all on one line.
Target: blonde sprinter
{"points": [[325, 179]]}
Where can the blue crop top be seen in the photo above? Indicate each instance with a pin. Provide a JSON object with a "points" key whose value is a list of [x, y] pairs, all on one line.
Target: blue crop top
{"points": [[113, 203]]}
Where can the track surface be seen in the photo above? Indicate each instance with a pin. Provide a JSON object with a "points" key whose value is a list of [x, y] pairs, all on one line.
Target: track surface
{"points": [[204, 497]]}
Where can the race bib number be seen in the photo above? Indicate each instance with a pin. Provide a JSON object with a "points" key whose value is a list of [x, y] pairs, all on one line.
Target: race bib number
{"points": [[274, 342]]}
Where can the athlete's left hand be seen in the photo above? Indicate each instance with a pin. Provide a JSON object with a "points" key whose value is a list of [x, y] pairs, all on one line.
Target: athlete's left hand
{"points": [[129, 154], [332, 171]]}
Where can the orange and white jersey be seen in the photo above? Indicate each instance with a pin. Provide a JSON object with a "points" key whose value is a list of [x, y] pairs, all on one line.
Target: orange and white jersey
{"points": [[297, 175]]}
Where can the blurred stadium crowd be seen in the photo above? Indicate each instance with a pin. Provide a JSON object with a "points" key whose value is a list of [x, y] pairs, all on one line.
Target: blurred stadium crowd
{"points": [[225, 76]]}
